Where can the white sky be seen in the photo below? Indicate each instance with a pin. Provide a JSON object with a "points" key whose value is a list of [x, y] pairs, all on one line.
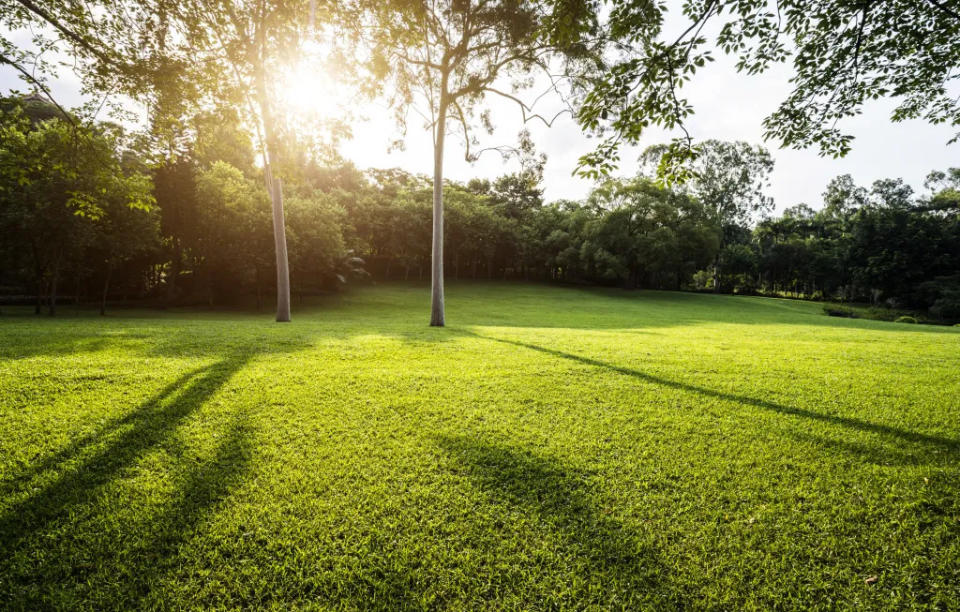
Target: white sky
{"points": [[728, 105]]}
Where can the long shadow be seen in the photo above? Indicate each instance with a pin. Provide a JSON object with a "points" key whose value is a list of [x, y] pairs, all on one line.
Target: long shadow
{"points": [[620, 571], [77, 446], [202, 488], [849, 422], [46, 518]]}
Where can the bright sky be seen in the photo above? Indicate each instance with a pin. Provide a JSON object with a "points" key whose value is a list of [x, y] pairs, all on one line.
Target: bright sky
{"points": [[729, 106]]}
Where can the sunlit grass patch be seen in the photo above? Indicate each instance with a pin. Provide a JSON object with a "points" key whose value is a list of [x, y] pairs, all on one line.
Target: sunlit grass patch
{"points": [[551, 448]]}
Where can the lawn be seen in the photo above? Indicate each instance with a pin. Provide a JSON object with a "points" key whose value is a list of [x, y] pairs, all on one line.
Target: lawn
{"points": [[552, 448]]}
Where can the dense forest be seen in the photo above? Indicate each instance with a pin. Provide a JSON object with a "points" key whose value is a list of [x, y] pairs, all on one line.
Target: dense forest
{"points": [[93, 214]]}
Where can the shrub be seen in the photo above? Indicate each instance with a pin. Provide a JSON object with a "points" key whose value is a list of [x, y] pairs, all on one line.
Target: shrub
{"points": [[905, 319], [840, 311]]}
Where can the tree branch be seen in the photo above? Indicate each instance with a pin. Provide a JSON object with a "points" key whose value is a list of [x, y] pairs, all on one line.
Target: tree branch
{"points": [[39, 84], [70, 34]]}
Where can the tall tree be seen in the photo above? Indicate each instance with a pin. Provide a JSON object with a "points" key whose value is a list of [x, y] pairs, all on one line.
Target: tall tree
{"points": [[250, 41], [444, 57], [730, 179]]}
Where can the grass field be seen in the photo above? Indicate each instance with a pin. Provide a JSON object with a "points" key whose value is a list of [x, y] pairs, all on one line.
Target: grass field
{"points": [[552, 448]]}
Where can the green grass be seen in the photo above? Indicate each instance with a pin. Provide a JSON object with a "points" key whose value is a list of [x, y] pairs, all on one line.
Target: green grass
{"points": [[553, 448]]}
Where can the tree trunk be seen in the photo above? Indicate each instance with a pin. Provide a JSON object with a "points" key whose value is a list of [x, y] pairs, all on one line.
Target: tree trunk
{"points": [[259, 293], [280, 244], [716, 275], [436, 269], [174, 272], [38, 305], [106, 288], [274, 188], [208, 275], [53, 289]]}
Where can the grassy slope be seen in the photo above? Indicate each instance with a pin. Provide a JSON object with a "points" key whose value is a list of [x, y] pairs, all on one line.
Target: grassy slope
{"points": [[551, 448]]}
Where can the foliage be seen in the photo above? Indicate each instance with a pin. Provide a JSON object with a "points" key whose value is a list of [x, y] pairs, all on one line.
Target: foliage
{"points": [[842, 54], [66, 192], [207, 240]]}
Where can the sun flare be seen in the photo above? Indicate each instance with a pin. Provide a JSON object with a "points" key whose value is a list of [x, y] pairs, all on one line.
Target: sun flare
{"points": [[310, 91]]}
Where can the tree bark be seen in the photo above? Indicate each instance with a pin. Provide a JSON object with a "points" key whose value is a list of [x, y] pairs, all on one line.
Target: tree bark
{"points": [[716, 275], [436, 269], [53, 289], [274, 187], [259, 293], [106, 288], [38, 304], [280, 244], [174, 272]]}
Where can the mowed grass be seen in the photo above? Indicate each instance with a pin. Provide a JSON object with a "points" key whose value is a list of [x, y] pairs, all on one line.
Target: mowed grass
{"points": [[552, 448]]}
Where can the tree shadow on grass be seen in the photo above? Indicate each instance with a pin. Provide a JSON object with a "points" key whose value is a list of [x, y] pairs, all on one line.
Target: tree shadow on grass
{"points": [[902, 435], [572, 554], [53, 549], [608, 563]]}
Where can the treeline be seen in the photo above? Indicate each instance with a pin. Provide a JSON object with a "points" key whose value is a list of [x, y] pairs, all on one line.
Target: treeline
{"points": [[884, 246], [92, 214]]}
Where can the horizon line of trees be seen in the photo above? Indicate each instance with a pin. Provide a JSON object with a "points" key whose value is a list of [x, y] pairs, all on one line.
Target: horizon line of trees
{"points": [[86, 213]]}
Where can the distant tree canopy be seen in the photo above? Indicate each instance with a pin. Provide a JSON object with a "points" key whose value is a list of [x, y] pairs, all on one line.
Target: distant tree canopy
{"points": [[181, 211], [85, 218]]}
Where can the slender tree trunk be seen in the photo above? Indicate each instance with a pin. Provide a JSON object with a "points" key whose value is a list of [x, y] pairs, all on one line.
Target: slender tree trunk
{"points": [[280, 244], [174, 272], [274, 188], [38, 275], [259, 293], [106, 288], [436, 269], [716, 275], [53, 289]]}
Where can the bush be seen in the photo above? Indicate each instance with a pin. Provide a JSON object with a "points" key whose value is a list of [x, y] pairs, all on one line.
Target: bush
{"points": [[905, 319], [840, 311]]}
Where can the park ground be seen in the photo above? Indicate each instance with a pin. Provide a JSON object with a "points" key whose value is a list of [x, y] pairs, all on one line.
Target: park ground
{"points": [[552, 448]]}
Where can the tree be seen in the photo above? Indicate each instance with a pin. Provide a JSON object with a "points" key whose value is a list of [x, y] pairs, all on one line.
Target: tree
{"points": [[647, 235], [730, 179], [124, 232], [232, 218], [449, 55], [843, 196], [59, 183], [843, 55], [249, 40]]}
